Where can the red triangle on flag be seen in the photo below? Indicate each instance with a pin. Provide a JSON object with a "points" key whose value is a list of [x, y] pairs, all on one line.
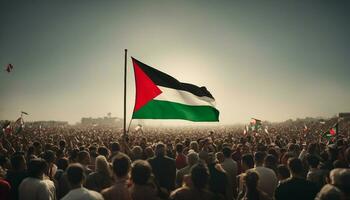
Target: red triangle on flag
{"points": [[146, 89], [332, 131]]}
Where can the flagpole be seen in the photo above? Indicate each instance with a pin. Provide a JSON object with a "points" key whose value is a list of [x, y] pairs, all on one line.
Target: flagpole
{"points": [[125, 65]]}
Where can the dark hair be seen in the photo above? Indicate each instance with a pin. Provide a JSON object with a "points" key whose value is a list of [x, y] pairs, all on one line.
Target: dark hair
{"points": [[75, 174], [121, 165], [259, 157], [312, 160], [17, 161], [199, 176], [251, 179], [62, 163], [140, 172], [248, 160], [103, 151], [37, 167], [62, 143], [82, 155], [283, 171], [49, 156], [295, 166], [115, 146], [227, 152], [179, 148]]}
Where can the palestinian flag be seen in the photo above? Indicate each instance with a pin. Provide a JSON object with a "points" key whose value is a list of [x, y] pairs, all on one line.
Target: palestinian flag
{"points": [[255, 124], [332, 132], [160, 96]]}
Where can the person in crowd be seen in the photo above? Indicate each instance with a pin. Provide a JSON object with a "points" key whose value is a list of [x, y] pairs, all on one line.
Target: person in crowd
{"points": [[247, 163], [84, 159], [62, 165], [197, 187], [16, 174], [330, 192], [340, 178], [231, 169], [101, 178], [282, 173], [5, 187], [271, 162], [143, 187], [180, 160], [218, 178], [267, 177], [252, 192], [192, 159], [121, 168], [37, 186], [50, 157], [76, 176], [315, 175], [296, 187], [115, 149], [164, 168], [136, 153]]}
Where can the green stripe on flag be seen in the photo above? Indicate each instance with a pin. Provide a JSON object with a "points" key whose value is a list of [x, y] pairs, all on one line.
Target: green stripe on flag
{"points": [[156, 109]]}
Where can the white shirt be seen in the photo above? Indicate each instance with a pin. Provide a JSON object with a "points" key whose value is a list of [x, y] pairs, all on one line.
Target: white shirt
{"points": [[36, 189], [267, 180], [82, 194]]}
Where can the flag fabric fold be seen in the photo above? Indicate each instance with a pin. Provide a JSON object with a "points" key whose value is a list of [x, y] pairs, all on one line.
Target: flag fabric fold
{"points": [[160, 96]]}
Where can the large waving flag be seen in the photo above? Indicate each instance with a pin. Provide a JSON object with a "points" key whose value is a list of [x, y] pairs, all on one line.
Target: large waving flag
{"points": [[160, 96]]}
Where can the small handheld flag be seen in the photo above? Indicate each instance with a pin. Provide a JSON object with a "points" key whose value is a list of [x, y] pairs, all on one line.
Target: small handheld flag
{"points": [[331, 133], [9, 68]]}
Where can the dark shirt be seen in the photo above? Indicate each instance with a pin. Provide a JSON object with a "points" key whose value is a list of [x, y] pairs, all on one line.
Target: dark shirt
{"points": [[15, 178], [296, 188], [217, 181], [164, 169]]}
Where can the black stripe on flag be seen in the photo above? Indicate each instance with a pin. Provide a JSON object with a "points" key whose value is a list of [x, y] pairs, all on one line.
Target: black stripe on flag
{"points": [[163, 79]]}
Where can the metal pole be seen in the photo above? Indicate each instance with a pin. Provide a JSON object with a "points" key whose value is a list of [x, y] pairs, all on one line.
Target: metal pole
{"points": [[125, 64]]}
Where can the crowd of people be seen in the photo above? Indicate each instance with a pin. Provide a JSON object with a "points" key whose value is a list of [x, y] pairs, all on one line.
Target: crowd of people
{"points": [[282, 161]]}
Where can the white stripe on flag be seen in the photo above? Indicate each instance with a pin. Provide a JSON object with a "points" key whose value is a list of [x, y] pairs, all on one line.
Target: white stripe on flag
{"points": [[183, 97]]}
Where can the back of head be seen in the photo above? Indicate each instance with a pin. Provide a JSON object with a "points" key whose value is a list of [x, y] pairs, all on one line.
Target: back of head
{"points": [[248, 160], [345, 181], [227, 152], [160, 150], [295, 166], [62, 163], [102, 165], [140, 172], [192, 158], [329, 192], [121, 165], [103, 151], [283, 172], [18, 162], [115, 147], [37, 167], [270, 161], [49, 156], [199, 176], [259, 157], [75, 174], [84, 157], [313, 160], [251, 179], [179, 148]]}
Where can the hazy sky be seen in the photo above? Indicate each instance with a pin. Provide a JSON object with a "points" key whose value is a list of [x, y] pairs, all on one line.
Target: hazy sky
{"points": [[272, 60]]}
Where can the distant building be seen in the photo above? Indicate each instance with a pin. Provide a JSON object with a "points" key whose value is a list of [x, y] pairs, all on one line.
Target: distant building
{"points": [[101, 121]]}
